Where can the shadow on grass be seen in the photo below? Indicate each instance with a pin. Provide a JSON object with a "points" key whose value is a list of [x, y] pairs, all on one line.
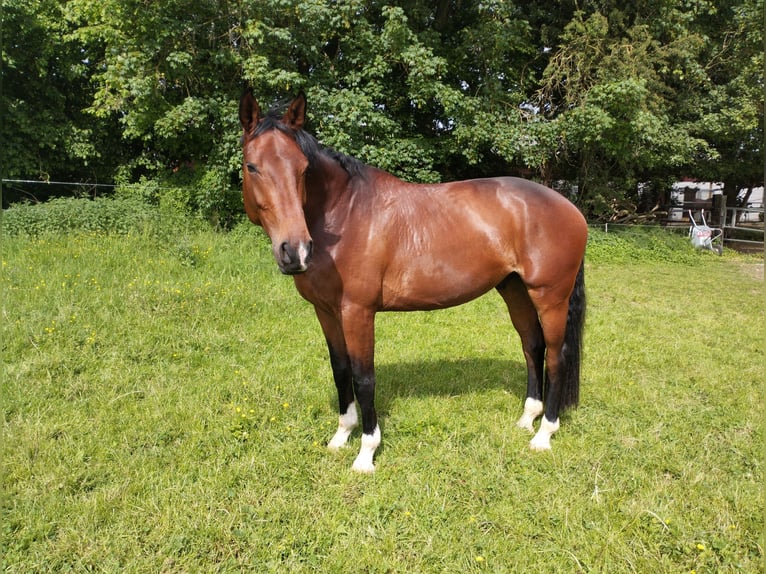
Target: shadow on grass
{"points": [[447, 377]]}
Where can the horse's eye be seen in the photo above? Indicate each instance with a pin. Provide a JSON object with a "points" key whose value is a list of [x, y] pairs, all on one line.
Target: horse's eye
{"points": [[251, 168]]}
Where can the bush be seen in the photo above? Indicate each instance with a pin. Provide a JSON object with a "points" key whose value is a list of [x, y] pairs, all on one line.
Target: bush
{"points": [[626, 244], [192, 191], [101, 215]]}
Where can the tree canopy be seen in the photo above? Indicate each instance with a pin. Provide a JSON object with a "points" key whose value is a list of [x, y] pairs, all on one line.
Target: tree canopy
{"points": [[596, 96]]}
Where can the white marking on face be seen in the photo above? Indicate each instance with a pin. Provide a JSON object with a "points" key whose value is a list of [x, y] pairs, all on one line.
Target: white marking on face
{"points": [[542, 440], [532, 409], [346, 423], [303, 254], [363, 462]]}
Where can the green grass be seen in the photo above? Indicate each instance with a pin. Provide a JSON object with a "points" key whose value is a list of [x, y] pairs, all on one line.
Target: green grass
{"points": [[166, 409]]}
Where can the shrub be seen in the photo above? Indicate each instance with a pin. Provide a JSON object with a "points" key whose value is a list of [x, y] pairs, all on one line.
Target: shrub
{"points": [[207, 192], [628, 244], [120, 215]]}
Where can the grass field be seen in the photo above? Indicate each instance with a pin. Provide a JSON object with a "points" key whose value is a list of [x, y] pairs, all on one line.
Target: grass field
{"points": [[166, 406]]}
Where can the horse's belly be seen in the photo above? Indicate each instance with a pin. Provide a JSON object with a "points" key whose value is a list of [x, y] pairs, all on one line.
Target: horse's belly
{"points": [[423, 286]]}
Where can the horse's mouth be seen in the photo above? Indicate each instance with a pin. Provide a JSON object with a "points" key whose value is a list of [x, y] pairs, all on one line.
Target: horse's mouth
{"points": [[293, 267], [294, 271]]}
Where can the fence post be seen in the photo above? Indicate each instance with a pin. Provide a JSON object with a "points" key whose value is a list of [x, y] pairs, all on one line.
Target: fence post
{"points": [[718, 210]]}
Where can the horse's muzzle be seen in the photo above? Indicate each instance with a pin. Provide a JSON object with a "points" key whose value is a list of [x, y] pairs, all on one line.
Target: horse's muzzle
{"points": [[294, 259]]}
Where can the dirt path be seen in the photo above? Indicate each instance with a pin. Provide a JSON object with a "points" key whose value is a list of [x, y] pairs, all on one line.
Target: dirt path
{"points": [[753, 270]]}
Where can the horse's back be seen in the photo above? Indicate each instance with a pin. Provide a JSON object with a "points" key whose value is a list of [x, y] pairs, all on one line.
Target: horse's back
{"points": [[522, 210], [534, 196], [445, 244]]}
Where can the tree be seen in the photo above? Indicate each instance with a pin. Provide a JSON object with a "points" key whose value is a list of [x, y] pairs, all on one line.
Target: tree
{"points": [[169, 73], [45, 88], [731, 112], [653, 92], [602, 95], [606, 87]]}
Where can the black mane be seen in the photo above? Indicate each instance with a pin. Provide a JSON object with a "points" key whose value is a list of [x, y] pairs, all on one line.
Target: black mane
{"points": [[308, 144]]}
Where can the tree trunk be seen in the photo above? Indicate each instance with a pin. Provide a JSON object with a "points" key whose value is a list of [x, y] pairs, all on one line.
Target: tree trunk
{"points": [[731, 190]]}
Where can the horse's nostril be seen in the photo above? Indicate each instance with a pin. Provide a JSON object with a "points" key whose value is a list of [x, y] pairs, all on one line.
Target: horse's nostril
{"points": [[309, 249], [284, 252]]}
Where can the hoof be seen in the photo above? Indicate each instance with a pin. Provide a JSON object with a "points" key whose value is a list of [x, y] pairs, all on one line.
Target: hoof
{"points": [[540, 444], [363, 467], [532, 409], [346, 424], [542, 440], [525, 423], [363, 462], [338, 441]]}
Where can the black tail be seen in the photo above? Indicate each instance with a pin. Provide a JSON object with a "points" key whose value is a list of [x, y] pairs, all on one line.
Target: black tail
{"points": [[570, 380]]}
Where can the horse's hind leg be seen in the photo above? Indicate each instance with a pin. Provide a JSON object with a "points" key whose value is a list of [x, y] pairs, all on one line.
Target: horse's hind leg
{"points": [[525, 320], [562, 315], [553, 322]]}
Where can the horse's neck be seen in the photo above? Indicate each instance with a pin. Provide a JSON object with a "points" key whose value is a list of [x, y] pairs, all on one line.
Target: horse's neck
{"points": [[327, 185]]}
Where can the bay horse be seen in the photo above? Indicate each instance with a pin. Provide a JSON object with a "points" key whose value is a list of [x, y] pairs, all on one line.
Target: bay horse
{"points": [[358, 240]]}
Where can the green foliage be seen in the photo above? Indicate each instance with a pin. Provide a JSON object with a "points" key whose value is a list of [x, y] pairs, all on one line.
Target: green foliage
{"points": [[601, 95], [135, 364], [628, 245], [612, 92], [731, 113], [119, 216], [44, 131], [191, 192]]}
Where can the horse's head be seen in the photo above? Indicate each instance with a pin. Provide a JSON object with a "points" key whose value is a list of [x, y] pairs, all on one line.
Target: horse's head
{"points": [[273, 183]]}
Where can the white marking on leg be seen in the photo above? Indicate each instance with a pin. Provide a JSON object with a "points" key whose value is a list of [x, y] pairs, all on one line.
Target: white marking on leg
{"points": [[346, 423], [363, 462], [542, 440], [532, 409]]}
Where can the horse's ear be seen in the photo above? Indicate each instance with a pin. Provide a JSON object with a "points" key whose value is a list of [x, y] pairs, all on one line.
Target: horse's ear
{"points": [[295, 116], [249, 111]]}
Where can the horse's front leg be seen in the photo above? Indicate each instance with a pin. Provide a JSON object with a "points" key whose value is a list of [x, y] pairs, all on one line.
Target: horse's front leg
{"points": [[341, 372], [359, 332]]}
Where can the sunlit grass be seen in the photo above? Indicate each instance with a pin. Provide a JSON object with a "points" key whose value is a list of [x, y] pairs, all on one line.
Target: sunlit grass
{"points": [[166, 408]]}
